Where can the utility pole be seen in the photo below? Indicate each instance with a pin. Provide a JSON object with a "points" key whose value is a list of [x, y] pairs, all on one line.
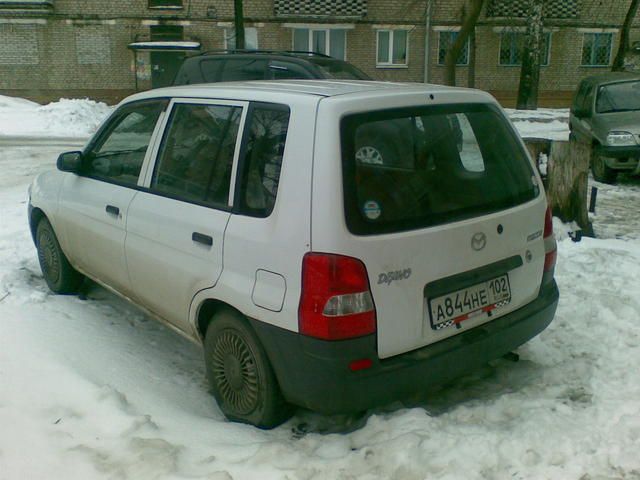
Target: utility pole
{"points": [[427, 43], [239, 24]]}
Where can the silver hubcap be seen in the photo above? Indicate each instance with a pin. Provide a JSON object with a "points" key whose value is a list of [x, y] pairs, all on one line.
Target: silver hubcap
{"points": [[48, 256], [235, 372], [369, 155]]}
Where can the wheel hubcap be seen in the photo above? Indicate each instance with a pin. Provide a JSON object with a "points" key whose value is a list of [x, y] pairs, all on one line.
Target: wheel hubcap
{"points": [[369, 155], [235, 372], [48, 256]]}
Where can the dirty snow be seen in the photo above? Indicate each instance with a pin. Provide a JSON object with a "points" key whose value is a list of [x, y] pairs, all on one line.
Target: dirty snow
{"points": [[93, 389]]}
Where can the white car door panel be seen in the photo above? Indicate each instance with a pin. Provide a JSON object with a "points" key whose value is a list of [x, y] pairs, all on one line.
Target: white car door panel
{"points": [[93, 205], [175, 228]]}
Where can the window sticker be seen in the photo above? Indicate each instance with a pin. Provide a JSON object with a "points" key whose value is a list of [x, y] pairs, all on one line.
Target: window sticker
{"points": [[372, 210]]}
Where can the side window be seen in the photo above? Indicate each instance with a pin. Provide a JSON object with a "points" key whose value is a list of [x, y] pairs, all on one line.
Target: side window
{"points": [[267, 134], [284, 71], [210, 70], [196, 155], [243, 69], [118, 153]]}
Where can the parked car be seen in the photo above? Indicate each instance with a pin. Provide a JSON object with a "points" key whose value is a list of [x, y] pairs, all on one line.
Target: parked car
{"points": [[606, 114], [238, 65], [249, 218]]}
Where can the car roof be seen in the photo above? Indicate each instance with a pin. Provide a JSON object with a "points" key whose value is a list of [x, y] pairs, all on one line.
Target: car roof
{"points": [[611, 77], [250, 90]]}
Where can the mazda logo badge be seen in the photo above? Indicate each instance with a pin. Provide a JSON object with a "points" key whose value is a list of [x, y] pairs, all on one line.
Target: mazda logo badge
{"points": [[478, 241]]}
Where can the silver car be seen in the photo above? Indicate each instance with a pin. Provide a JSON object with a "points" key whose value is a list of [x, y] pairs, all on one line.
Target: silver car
{"points": [[606, 113]]}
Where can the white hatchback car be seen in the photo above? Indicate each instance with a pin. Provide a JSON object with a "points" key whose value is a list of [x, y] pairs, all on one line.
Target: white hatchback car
{"points": [[332, 244]]}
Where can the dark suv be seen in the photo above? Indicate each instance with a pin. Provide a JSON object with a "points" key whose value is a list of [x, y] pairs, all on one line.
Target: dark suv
{"points": [[237, 65]]}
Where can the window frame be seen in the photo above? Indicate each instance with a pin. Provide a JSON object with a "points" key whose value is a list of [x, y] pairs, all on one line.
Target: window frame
{"points": [[549, 36], [610, 54], [160, 138], [165, 5], [467, 46], [327, 42], [238, 204], [230, 33], [390, 63], [107, 128]]}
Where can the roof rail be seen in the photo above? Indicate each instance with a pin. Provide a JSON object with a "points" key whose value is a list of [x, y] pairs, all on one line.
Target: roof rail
{"points": [[272, 52]]}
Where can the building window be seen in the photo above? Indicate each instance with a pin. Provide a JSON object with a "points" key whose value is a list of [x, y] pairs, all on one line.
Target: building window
{"points": [[19, 44], [331, 42], [165, 3], [445, 42], [596, 49], [392, 48], [250, 38], [512, 47]]}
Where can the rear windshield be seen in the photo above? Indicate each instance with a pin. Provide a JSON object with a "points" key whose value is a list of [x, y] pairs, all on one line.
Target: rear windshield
{"points": [[412, 168], [618, 97], [333, 68]]}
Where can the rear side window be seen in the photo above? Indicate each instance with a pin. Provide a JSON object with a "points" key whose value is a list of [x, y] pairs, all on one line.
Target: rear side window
{"points": [[243, 69], [266, 138], [196, 155], [412, 168], [210, 70]]}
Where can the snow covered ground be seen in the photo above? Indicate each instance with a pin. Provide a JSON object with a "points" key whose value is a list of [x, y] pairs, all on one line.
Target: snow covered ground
{"points": [[93, 389]]}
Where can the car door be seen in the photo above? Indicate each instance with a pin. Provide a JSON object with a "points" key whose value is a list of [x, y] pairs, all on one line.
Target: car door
{"points": [[175, 227], [93, 204]]}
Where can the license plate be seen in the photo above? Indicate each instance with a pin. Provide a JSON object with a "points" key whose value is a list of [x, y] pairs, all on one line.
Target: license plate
{"points": [[456, 307]]}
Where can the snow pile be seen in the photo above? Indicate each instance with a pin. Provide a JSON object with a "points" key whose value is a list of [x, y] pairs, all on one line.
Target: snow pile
{"points": [[64, 118], [551, 123]]}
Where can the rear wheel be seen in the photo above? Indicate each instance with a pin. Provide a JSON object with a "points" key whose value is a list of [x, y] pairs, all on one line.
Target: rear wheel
{"points": [[60, 276], [601, 172], [240, 374]]}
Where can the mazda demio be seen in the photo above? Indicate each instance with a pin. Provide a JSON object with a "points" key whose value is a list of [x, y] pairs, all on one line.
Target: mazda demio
{"points": [[334, 245]]}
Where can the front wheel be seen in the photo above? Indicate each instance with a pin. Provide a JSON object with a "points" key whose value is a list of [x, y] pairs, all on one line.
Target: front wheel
{"points": [[60, 276], [601, 172], [240, 374]]}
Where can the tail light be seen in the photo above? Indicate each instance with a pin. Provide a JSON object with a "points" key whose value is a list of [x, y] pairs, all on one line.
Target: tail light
{"points": [[336, 301], [550, 248]]}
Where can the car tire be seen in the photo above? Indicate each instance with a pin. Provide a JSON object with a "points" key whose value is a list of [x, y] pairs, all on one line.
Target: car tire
{"points": [[60, 276], [240, 374], [601, 172]]}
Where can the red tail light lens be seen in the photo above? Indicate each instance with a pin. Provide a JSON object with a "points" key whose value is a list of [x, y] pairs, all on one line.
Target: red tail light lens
{"points": [[550, 247], [336, 301], [548, 223]]}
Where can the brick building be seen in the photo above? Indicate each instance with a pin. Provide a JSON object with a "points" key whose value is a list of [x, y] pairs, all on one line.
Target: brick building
{"points": [[108, 49]]}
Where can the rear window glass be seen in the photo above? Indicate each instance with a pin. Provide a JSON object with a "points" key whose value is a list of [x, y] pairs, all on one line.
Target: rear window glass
{"points": [[413, 168], [332, 68]]}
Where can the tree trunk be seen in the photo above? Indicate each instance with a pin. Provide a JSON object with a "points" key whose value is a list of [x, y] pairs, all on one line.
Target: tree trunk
{"points": [[470, 18], [567, 175], [239, 24], [471, 69], [531, 56], [623, 48]]}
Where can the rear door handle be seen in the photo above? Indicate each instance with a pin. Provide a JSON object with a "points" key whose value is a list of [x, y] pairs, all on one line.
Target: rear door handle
{"points": [[112, 210], [202, 238]]}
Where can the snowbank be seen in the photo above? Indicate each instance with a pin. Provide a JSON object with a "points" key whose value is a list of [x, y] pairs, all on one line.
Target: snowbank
{"points": [[64, 118], [551, 123]]}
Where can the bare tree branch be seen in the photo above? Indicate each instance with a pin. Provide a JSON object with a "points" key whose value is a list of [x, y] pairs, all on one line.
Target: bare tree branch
{"points": [[623, 48]]}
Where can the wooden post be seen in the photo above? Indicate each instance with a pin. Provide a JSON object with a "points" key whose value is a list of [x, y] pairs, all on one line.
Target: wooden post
{"points": [[568, 172]]}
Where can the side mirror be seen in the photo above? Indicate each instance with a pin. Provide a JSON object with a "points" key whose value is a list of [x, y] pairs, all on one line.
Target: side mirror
{"points": [[69, 162]]}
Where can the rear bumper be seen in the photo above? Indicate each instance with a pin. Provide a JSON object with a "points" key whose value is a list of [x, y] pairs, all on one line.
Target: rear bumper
{"points": [[315, 373]]}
